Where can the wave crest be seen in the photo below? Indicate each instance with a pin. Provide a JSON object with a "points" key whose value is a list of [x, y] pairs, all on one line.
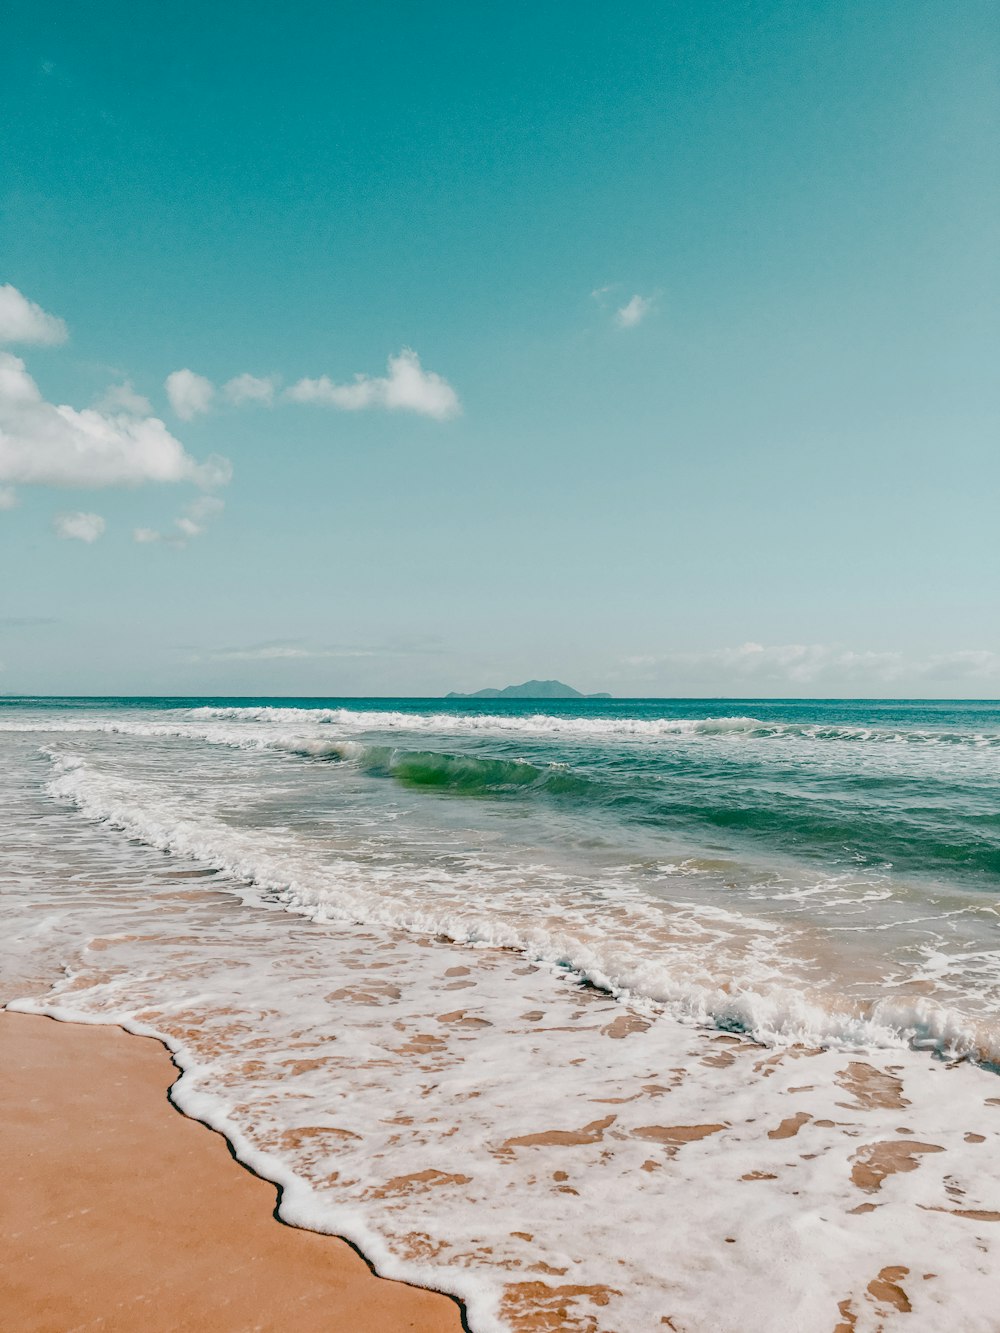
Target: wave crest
{"points": [[610, 952], [547, 724]]}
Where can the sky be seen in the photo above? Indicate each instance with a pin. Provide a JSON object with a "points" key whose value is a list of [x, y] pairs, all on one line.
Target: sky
{"points": [[392, 349]]}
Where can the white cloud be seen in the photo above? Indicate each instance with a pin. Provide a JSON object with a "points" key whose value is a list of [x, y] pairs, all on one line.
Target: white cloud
{"points": [[966, 664], [250, 389], [196, 515], [189, 393], [406, 388], [280, 652], [21, 321], [79, 527], [8, 497], [816, 664], [123, 398], [268, 653], [42, 444], [794, 663], [633, 312], [189, 524]]}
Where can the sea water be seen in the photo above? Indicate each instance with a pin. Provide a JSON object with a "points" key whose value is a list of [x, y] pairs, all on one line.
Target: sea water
{"points": [[629, 1014]]}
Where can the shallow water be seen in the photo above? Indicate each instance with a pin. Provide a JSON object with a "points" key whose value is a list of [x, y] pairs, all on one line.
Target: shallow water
{"points": [[371, 930]]}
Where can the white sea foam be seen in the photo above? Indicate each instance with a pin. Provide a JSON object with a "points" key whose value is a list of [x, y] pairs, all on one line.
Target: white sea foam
{"points": [[544, 724], [473, 1123], [704, 963]]}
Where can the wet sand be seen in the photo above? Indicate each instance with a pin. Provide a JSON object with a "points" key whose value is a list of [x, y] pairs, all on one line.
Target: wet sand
{"points": [[117, 1212]]}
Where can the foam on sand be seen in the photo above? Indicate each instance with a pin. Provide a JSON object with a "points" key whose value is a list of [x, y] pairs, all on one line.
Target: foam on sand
{"points": [[483, 1125]]}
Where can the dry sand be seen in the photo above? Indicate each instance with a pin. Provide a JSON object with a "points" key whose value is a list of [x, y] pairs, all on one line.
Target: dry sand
{"points": [[117, 1212]]}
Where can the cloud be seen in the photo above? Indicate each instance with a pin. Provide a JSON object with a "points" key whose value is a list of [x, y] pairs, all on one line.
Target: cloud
{"points": [[123, 398], [8, 498], [42, 444], [406, 388], [189, 393], [21, 321], [282, 652], [792, 663], [966, 664], [250, 389], [79, 527], [190, 523], [266, 653], [806, 665], [633, 312]]}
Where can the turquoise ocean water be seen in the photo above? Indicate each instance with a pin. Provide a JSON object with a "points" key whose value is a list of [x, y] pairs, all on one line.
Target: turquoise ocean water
{"points": [[835, 847]]}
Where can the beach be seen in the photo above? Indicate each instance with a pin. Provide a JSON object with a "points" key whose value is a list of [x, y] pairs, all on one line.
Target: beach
{"points": [[119, 1213], [500, 668], [460, 988]]}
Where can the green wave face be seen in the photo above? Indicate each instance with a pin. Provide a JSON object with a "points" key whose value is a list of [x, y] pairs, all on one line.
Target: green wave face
{"points": [[469, 775], [915, 790]]}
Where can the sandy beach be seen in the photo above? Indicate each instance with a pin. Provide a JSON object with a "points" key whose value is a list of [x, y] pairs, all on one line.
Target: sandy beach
{"points": [[118, 1212]]}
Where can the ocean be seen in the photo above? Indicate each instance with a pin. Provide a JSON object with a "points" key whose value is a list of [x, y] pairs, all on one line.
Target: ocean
{"points": [[620, 1014]]}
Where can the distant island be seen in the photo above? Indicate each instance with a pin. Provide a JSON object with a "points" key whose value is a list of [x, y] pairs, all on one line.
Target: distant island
{"points": [[531, 689]]}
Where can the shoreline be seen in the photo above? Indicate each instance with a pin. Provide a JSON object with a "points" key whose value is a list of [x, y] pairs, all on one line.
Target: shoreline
{"points": [[121, 1212]]}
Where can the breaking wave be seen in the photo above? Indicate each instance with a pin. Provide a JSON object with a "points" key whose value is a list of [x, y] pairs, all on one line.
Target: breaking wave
{"points": [[611, 952], [545, 724]]}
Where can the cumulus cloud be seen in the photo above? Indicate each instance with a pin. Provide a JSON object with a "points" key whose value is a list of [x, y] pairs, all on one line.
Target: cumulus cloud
{"points": [[8, 497], [189, 524], [633, 312], [189, 394], [21, 321], [45, 444], [250, 389], [407, 387], [79, 527], [123, 398]]}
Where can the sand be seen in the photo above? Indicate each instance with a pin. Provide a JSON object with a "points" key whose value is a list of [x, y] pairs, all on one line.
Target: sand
{"points": [[117, 1212]]}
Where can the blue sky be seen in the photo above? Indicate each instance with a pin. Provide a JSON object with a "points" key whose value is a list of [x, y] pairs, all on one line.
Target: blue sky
{"points": [[676, 326]]}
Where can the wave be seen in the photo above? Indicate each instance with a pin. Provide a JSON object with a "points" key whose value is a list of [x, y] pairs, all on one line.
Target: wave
{"points": [[610, 952], [464, 774], [545, 724], [928, 818], [541, 725]]}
